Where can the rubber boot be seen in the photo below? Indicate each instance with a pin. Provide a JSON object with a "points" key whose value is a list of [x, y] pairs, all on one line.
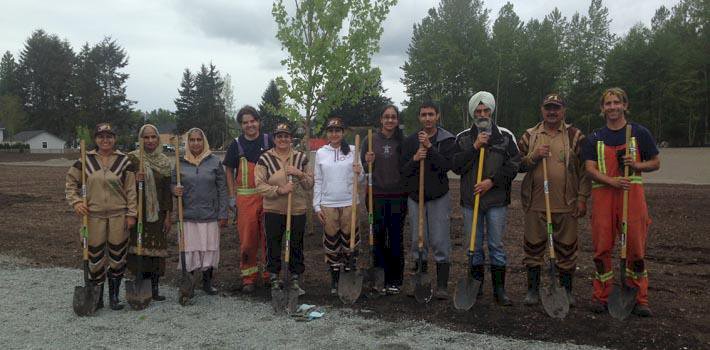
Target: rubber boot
{"points": [[100, 302], [642, 310], [334, 278], [295, 285], [498, 278], [442, 280], [155, 286], [566, 281], [207, 282], [478, 273], [114, 285], [533, 295], [274, 281]]}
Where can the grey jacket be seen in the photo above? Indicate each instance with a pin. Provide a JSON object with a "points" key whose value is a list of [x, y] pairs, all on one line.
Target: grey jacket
{"points": [[204, 196]]}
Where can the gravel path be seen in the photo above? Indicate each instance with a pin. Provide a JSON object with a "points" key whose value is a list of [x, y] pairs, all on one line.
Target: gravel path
{"points": [[35, 313]]}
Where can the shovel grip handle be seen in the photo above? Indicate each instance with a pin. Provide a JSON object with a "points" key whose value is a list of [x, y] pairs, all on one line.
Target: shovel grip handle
{"points": [[420, 221]]}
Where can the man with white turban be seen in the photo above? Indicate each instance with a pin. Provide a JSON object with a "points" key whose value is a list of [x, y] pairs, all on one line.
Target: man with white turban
{"points": [[500, 166]]}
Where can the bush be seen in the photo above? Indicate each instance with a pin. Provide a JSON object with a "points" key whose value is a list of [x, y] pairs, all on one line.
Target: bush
{"points": [[14, 145]]}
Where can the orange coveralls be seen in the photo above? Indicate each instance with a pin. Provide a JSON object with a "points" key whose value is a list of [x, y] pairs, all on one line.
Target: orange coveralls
{"points": [[607, 204]]}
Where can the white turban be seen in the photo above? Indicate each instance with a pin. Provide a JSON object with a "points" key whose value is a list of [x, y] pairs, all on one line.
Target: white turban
{"points": [[484, 97]]}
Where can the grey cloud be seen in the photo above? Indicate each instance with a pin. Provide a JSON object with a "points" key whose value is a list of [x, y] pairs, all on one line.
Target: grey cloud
{"points": [[243, 22]]}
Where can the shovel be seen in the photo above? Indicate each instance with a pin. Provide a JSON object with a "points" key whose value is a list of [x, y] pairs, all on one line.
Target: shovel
{"points": [[553, 297], [350, 283], [86, 297], [467, 289], [138, 291], [375, 274], [285, 299], [623, 297], [422, 281], [185, 282]]}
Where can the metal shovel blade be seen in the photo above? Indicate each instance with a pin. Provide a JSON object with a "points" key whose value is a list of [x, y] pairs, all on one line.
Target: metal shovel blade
{"points": [[376, 278], [622, 301], [186, 289], [291, 299], [466, 293], [279, 300], [85, 299], [554, 300], [349, 286], [138, 292], [422, 287]]}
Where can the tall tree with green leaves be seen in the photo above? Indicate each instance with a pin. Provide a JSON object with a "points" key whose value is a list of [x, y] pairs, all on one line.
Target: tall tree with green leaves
{"points": [[506, 41], [329, 45], [201, 104], [449, 58], [8, 75], [45, 72], [185, 111]]}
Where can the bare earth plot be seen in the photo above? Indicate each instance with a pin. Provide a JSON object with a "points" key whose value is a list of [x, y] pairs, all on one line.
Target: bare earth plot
{"points": [[37, 226]]}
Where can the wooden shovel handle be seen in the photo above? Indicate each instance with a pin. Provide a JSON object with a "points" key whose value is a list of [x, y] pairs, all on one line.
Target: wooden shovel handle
{"points": [[353, 207], [141, 187], [625, 203], [181, 238], [476, 201], [84, 218], [289, 204], [370, 217], [420, 231]]}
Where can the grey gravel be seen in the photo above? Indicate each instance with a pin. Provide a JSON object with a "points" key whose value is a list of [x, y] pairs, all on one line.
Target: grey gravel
{"points": [[36, 313]]}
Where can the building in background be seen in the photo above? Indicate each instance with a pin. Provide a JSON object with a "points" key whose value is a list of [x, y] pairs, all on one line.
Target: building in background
{"points": [[40, 141]]}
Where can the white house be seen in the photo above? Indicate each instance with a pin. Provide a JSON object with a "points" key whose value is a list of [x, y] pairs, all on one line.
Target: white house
{"points": [[2, 132], [40, 141]]}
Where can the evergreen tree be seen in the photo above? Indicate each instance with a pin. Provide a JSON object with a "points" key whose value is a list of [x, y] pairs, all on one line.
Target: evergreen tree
{"points": [[269, 108], [8, 75]]}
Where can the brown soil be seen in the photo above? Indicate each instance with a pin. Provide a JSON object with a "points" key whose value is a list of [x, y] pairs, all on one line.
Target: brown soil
{"points": [[36, 223]]}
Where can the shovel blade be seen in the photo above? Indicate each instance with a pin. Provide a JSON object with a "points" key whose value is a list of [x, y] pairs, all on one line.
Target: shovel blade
{"points": [[279, 300], [139, 293], [466, 293], [622, 301], [554, 300], [291, 300], [376, 277], [186, 289], [349, 286], [422, 287], [85, 300]]}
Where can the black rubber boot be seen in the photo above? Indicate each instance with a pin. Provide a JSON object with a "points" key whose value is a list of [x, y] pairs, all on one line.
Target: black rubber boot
{"points": [[100, 302], [155, 286], [442, 280], [334, 278], [498, 277], [478, 272], [533, 295], [114, 285], [566, 281], [207, 282]]}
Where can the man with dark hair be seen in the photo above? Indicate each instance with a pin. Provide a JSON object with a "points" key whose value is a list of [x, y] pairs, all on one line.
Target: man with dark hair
{"points": [[435, 146], [500, 166], [568, 187], [239, 163]]}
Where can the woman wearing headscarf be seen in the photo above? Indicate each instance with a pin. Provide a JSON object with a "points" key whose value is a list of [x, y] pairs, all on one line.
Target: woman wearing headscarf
{"points": [[389, 198], [110, 206], [204, 195], [157, 204], [272, 174], [334, 170]]}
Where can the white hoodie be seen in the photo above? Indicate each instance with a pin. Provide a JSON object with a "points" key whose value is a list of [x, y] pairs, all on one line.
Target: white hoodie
{"points": [[333, 172]]}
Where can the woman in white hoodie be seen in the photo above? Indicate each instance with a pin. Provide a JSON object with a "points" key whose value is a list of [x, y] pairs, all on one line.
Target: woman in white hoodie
{"points": [[332, 198]]}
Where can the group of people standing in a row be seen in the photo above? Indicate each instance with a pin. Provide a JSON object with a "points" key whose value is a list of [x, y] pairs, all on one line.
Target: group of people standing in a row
{"points": [[260, 170]]}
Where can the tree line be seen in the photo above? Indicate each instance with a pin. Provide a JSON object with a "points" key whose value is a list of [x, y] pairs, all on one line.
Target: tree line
{"points": [[454, 52]]}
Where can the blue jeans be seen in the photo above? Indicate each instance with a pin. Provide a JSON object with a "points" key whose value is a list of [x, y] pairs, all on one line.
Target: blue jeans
{"points": [[494, 220]]}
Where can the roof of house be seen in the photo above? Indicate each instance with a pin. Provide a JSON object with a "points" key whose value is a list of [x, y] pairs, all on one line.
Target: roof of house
{"points": [[25, 136]]}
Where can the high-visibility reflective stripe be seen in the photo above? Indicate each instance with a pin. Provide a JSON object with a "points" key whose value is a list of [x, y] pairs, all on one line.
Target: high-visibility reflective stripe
{"points": [[604, 276], [636, 180], [246, 191], [245, 172], [636, 275], [250, 271], [600, 157]]}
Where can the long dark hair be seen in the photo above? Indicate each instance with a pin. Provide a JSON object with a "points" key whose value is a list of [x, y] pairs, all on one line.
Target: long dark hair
{"points": [[398, 134]]}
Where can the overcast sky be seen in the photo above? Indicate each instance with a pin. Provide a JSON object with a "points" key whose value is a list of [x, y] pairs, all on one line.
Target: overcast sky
{"points": [[164, 37]]}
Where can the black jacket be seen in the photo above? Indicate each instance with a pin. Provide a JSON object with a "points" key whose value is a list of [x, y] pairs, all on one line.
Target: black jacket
{"points": [[436, 165], [500, 164]]}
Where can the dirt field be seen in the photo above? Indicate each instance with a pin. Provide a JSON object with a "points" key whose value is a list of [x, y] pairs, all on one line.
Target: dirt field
{"points": [[37, 224]]}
